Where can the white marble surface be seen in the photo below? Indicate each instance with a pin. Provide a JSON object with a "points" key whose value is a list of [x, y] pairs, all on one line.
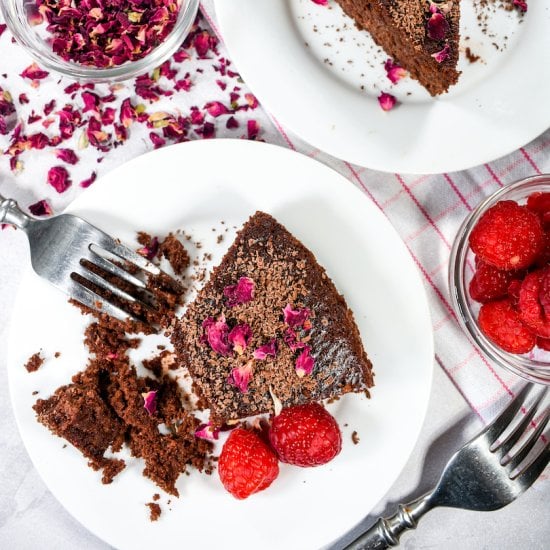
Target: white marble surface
{"points": [[30, 518]]}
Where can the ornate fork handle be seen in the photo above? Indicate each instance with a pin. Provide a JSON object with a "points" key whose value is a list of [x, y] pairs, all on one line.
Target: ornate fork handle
{"points": [[385, 533], [12, 214]]}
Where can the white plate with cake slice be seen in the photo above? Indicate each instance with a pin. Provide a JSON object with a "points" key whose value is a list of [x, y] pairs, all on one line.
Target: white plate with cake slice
{"points": [[209, 189], [321, 77]]}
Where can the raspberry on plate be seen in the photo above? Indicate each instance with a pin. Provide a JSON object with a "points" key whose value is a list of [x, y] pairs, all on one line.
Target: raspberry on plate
{"points": [[500, 322], [305, 435], [490, 283], [508, 236], [246, 464], [534, 302]]}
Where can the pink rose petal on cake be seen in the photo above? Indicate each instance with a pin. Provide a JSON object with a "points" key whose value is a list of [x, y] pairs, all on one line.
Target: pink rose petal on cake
{"points": [[239, 337], [206, 431], [521, 4], [394, 72], [41, 208], [387, 101], [66, 155], [240, 376], [241, 293], [305, 363], [58, 178], [443, 54], [264, 351], [217, 333], [291, 340], [438, 27], [150, 251], [150, 402], [295, 318]]}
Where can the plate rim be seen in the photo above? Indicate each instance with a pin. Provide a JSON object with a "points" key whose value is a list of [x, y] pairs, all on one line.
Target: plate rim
{"points": [[76, 205]]}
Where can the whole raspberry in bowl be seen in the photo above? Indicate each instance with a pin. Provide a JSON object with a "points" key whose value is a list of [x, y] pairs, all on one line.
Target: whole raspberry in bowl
{"points": [[499, 277], [106, 41]]}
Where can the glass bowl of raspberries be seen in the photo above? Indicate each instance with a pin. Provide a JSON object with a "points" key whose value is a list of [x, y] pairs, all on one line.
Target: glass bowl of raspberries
{"points": [[499, 277], [106, 41]]}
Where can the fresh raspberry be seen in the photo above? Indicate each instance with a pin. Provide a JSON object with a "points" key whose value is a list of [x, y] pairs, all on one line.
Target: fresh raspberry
{"points": [[246, 464], [539, 203], [543, 343], [500, 322], [508, 236], [490, 283], [305, 435], [543, 258], [534, 302], [513, 292]]}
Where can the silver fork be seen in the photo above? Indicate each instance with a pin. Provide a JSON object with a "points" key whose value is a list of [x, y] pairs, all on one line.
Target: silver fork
{"points": [[481, 476], [62, 244]]}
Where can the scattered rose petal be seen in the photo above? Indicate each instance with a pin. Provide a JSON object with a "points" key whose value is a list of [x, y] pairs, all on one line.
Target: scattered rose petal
{"points": [[277, 405], [66, 155], [438, 27], [295, 318], [151, 250], [241, 293], [240, 376], [394, 72], [320, 2], [8, 116], [443, 54], [291, 340], [217, 333], [88, 181], [253, 129], [239, 337], [206, 431], [58, 178], [216, 109], [150, 402], [520, 4], [34, 72], [3, 27], [232, 123], [387, 101], [41, 208], [264, 351], [304, 363]]}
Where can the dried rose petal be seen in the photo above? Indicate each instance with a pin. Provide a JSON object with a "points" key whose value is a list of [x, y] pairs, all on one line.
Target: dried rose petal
{"points": [[521, 5], [150, 401], [253, 129], [8, 117], [217, 333], [387, 101], [3, 27], [305, 363], [394, 72], [443, 54], [291, 340], [320, 2], [438, 27], [264, 351], [239, 337], [216, 109], [58, 178], [151, 250], [241, 293], [41, 208], [34, 72], [87, 182], [206, 431], [240, 376], [66, 155], [295, 318]]}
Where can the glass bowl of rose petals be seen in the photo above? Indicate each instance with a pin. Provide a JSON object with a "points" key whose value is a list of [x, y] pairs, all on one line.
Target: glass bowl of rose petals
{"points": [[100, 40], [499, 277]]}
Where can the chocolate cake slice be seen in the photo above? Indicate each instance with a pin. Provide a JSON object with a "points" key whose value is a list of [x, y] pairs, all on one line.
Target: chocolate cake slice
{"points": [[269, 326], [420, 35]]}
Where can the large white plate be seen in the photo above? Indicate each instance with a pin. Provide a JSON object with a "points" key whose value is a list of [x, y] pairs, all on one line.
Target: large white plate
{"points": [[499, 104], [195, 186]]}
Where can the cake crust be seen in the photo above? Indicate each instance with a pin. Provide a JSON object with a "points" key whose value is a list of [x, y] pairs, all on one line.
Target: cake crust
{"points": [[285, 273]]}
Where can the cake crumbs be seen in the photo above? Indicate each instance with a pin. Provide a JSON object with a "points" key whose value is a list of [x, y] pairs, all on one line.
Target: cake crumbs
{"points": [[57, 354], [34, 362], [154, 511], [355, 437], [156, 497], [471, 57], [174, 251]]}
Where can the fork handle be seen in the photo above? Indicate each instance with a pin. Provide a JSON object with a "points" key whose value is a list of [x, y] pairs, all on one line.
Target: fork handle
{"points": [[12, 214], [385, 533]]}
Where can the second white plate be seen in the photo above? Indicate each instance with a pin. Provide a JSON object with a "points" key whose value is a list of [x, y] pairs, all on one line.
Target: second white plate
{"points": [[320, 77]]}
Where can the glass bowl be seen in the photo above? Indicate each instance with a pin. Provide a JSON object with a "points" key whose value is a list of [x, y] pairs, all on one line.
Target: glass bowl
{"points": [[34, 40], [534, 366]]}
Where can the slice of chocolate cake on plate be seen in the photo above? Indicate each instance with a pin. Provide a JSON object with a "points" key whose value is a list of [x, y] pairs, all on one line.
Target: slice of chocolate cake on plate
{"points": [[269, 326], [422, 36]]}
